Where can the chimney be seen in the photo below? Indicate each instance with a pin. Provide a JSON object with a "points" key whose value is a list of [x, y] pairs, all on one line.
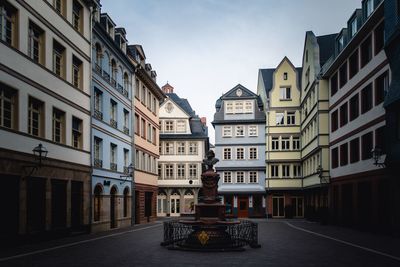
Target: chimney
{"points": [[167, 88], [203, 121]]}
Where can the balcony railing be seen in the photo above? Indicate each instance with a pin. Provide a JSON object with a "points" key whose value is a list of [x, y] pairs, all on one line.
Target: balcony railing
{"points": [[113, 123], [113, 166], [98, 114], [98, 163], [126, 130], [113, 82], [125, 93], [97, 69], [120, 88], [106, 76]]}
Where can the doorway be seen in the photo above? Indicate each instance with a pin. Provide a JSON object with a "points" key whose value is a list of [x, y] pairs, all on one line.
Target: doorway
{"points": [[161, 205], [175, 205], [243, 207], [113, 217], [36, 204], [278, 206], [58, 204], [297, 206], [76, 204]]}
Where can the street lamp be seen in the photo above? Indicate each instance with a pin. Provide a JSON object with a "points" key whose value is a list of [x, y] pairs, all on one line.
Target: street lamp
{"points": [[320, 171], [377, 155], [40, 153], [129, 173]]}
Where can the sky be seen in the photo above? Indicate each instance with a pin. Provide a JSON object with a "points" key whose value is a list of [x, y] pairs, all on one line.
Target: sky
{"points": [[204, 48]]}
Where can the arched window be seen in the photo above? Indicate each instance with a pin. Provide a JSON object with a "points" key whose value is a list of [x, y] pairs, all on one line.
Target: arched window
{"points": [[126, 81], [114, 72], [98, 191], [106, 63], [126, 201], [98, 55]]}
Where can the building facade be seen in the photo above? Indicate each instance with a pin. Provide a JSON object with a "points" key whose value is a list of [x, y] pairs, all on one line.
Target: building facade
{"points": [[45, 99], [359, 76], [239, 123], [147, 131], [183, 144], [111, 125], [279, 89]]}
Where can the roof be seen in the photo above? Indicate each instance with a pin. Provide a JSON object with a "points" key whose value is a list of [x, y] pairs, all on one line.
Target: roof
{"points": [[183, 103], [326, 45], [267, 76]]}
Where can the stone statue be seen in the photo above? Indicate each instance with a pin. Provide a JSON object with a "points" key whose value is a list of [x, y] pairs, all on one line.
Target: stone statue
{"points": [[211, 160]]}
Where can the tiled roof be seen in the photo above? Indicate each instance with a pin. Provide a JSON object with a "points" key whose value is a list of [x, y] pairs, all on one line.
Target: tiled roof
{"points": [[326, 47], [267, 76], [183, 104]]}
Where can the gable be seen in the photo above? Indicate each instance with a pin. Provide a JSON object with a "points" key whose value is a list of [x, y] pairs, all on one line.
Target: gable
{"points": [[239, 92], [169, 109]]}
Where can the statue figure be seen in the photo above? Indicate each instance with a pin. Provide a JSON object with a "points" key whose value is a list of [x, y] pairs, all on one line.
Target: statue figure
{"points": [[210, 160]]}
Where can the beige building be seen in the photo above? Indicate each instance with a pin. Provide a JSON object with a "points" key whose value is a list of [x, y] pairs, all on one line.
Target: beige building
{"points": [[279, 89], [147, 131], [45, 99]]}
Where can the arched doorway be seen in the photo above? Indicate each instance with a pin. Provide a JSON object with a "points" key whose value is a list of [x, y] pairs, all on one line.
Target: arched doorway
{"points": [[175, 204], [98, 191], [126, 202], [113, 208], [161, 204]]}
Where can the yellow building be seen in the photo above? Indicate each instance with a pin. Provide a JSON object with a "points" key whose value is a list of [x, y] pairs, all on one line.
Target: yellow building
{"points": [[279, 89]]}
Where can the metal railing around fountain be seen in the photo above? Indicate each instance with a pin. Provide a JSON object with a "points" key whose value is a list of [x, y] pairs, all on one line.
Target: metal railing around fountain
{"points": [[242, 234]]}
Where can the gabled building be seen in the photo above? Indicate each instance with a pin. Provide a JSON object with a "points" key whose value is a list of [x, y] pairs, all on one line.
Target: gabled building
{"points": [[239, 123], [183, 145], [148, 96], [359, 75], [44, 105], [314, 126], [279, 89], [111, 125]]}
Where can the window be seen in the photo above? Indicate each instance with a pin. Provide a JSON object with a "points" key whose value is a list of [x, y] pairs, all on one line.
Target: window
{"points": [[285, 93], [343, 75], [296, 170], [143, 128], [239, 177], [379, 37], [279, 118], [77, 20], [366, 146], [275, 143], [181, 148], [253, 177], [35, 117], [296, 143], [380, 139], [58, 126], [227, 177], [36, 43], [137, 88], [76, 72], [274, 170], [353, 64], [238, 107], [8, 107], [98, 100], [98, 152], [334, 84], [193, 148], [253, 130], [226, 131], [334, 121], [285, 143], [227, 153], [344, 158], [8, 23], [253, 153], [58, 59], [381, 87], [240, 153], [169, 126], [181, 126], [355, 150], [137, 124], [169, 171], [113, 113], [343, 114], [143, 95], [126, 159], [340, 43], [169, 148], [192, 171], [248, 106], [239, 130], [229, 107], [285, 170], [369, 7], [354, 28], [181, 171], [76, 132], [149, 134], [366, 51], [354, 107], [366, 98], [335, 158], [285, 76], [291, 118], [126, 121], [154, 135], [113, 157], [149, 98]]}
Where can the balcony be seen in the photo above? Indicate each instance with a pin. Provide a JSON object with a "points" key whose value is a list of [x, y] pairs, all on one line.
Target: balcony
{"points": [[125, 93], [113, 82], [113, 123], [120, 88], [106, 76], [98, 163], [98, 114], [126, 130], [97, 69], [113, 166]]}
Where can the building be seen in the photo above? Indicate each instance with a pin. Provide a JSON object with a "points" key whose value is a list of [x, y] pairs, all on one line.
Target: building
{"points": [[358, 76], [44, 99], [239, 123], [279, 89], [147, 131], [314, 126], [111, 125], [183, 145], [392, 108]]}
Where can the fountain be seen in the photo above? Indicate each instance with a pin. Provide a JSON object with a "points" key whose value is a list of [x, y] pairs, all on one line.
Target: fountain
{"points": [[210, 230]]}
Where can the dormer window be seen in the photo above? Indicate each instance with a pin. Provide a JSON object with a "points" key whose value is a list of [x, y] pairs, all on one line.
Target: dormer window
{"points": [[341, 43], [353, 27], [369, 7]]}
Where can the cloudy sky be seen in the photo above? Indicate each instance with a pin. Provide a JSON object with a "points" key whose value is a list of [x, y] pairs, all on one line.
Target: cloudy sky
{"points": [[205, 47]]}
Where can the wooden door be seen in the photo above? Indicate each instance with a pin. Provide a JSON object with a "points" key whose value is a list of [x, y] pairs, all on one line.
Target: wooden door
{"points": [[243, 207]]}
